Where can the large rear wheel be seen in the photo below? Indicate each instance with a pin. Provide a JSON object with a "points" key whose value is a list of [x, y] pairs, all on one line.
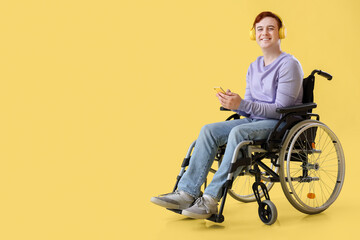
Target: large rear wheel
{"points": [[312, 167]]}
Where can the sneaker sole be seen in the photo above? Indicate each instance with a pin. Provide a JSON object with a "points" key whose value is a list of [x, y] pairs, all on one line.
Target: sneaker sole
{"points": [[164, 204], [195, 215]]}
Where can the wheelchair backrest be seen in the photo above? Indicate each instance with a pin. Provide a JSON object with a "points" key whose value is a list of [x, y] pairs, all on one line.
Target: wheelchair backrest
{"points": [[308, 89], [308, 85]]}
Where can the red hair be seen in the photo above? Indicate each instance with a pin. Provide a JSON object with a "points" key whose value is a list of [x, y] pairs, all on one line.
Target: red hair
{"points": [[267, 14]]}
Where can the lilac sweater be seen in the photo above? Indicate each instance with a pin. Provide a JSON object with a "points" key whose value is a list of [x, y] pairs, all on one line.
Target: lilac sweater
{"points": [[269, 87]]}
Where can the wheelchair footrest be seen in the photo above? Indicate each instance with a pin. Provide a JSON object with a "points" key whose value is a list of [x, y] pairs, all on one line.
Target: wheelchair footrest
{"points": [[218, 218]]}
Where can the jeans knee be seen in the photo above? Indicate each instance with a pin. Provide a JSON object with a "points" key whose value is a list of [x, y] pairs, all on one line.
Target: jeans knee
{"points": [[238, 134], [206, 130]]}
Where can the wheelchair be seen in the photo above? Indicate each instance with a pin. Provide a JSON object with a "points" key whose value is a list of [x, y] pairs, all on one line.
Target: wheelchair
{"points": [[301, 153]]}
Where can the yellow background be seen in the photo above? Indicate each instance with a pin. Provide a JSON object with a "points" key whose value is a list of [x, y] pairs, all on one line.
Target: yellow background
{"points": [[101, 99]]}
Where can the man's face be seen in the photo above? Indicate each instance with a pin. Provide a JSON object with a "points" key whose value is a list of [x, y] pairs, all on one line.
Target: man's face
{"points": [[267, 32]]}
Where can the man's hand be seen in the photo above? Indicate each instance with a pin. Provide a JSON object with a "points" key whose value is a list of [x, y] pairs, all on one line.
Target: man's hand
{"points": [[229, 100]]}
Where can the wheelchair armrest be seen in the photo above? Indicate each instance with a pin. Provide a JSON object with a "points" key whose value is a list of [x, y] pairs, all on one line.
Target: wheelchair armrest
{"points": [[298, 108], [234, 116], [224, 109]]}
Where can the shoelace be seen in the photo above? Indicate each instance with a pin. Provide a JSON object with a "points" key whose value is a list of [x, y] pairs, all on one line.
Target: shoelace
{"points": [[201, 202]]}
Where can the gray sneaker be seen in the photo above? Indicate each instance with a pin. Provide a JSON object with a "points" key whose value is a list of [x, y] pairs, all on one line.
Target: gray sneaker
{"points": [[175, 200], [203, 208]]}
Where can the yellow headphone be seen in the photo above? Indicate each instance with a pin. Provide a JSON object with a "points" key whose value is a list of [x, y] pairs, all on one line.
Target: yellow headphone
{"points": [[282, 30]]}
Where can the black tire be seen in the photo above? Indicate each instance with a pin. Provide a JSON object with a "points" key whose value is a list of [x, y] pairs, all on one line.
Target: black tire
{"points": [[268, 212]]}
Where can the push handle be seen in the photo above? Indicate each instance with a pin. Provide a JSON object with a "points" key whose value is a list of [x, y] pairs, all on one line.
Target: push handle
{"points": [[322, 73]]}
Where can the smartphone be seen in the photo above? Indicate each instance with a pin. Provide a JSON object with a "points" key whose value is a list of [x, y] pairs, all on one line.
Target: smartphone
{"points": [[219, 90]]}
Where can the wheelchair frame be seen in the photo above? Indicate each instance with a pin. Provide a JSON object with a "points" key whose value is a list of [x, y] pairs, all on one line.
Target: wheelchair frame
{"points": [[287, 143]]}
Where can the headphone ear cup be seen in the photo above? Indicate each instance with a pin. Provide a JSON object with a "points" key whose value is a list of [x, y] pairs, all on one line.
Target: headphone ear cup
{"points": [[252, 34], [282, 32]]}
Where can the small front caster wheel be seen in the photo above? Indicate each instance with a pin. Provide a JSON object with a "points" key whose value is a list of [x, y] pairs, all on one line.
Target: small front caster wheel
{"points": [[267, 212], [216, 218]]}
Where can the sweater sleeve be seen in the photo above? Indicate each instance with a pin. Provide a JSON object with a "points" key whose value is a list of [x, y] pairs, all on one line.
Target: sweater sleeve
{"points": [[288, 89]]}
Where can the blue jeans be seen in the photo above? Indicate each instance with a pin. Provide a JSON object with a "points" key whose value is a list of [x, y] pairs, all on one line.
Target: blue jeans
{"points": [[210, 138]]}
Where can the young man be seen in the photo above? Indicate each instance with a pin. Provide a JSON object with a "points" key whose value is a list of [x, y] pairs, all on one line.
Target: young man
{"points": [[274, 80]]}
